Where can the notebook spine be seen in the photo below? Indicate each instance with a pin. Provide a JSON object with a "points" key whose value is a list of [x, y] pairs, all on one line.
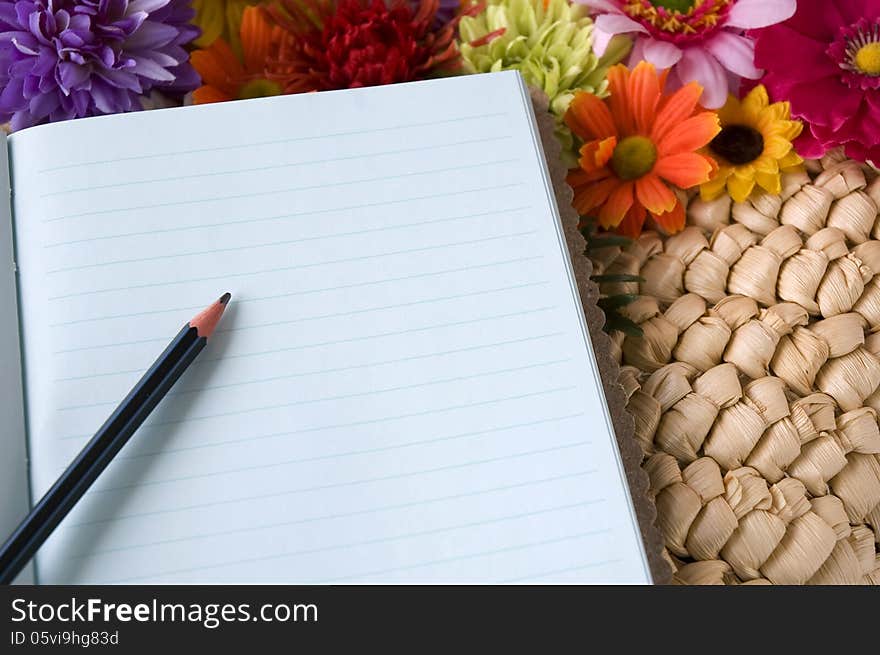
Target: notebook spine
{"points": [[14, 468]]}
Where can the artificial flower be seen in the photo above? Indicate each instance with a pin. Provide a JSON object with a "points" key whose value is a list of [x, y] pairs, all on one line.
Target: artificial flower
{"points": [[63, 59], [826, 61], [753, 148], [449, 9], [698, 40], [637, 143], [338, 44], [220, 19], [227, 76], [549, 41]]}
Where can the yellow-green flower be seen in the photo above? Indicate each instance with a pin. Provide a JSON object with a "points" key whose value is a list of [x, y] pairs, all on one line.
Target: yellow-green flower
{"points": [[220, 19], [550, 43]]}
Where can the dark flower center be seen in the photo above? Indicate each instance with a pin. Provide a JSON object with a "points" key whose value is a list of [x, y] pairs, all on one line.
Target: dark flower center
{"points": [[738, 144], [633, 157], [681, 6]]}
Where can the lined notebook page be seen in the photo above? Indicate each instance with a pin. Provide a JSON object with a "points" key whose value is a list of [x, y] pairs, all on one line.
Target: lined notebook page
{"points": [[401, 389]]}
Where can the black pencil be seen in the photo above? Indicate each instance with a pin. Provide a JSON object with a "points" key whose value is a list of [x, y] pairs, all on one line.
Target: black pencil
{"points": [[108, 441]]}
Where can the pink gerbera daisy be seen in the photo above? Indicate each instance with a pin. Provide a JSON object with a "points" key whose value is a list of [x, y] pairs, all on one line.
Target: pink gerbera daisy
{"points": [[699, 40]]}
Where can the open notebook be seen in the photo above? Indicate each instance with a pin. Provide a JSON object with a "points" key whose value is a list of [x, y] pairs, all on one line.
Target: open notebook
{"points": [[402, 390]]}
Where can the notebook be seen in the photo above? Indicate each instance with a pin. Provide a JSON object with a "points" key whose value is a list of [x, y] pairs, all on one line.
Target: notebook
{"points": [[403, 389]]}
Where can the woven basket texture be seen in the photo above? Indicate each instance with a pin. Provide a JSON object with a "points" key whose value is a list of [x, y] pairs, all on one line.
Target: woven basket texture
{"points": [[755, 387]]}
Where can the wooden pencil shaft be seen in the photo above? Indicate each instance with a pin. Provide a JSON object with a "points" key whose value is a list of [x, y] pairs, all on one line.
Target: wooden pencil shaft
{"points": [[98, 453]]}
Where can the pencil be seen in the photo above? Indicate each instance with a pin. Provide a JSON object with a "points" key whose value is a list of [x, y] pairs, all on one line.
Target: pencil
{"points": [[108, 441]]}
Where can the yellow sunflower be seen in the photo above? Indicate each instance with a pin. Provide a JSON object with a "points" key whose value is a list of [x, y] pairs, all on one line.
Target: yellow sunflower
{"points": [[754, 146], [220, 19]]}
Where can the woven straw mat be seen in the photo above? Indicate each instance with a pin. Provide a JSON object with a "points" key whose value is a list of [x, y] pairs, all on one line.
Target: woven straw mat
{"points": [[755, 388]]}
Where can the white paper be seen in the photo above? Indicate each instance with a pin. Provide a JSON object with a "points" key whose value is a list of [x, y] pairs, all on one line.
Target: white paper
{"points": [[402, 389]]}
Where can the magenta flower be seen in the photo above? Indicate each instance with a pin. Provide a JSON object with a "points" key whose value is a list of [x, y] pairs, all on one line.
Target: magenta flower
{"points": [[62, 59], [825, 60], [700, 40]]}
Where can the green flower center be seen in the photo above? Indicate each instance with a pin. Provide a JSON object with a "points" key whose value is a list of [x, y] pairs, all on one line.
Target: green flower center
{"points": [[738, 144], [867, 59], [260, 88], [633, 157], [681, 6]]}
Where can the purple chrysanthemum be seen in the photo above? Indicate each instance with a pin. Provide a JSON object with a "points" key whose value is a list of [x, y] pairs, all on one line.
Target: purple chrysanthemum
{"points": [[63, 59]]}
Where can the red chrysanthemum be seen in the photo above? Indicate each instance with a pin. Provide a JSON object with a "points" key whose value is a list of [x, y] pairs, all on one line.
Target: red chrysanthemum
{"points": [[340, 44]]}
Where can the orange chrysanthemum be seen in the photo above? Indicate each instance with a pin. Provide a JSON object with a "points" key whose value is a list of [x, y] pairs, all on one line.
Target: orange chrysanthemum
{"points": [[637, 142], [225, 76]]}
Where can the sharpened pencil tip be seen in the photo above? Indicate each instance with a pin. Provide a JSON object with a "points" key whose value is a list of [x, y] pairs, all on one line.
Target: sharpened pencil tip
{"points": [[205, 321]]}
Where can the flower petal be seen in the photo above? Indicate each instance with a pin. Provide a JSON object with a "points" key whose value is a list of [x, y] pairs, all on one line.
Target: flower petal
{"points": [[674, 109], [578, 177], [732, 112], [602, 5], [736, 53], [618, 24], [662, 54], [631, 225], [672, 221], [589, 118], [256, 39], [740, 188], [654, 195], [595, 154], [714, 187], [790, 161], [770, 182], [690, 135], [766, 164], [643, 90], [621, 113], [590, 196], [755, 101], [776, 147], [207, 94], [828, 102], [749, 14], [698, 65], [801, 57], [684, 169], [617, 205]]}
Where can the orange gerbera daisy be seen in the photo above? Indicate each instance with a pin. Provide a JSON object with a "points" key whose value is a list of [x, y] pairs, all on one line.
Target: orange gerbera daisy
{"points": [[225, 76], [637, 142]]}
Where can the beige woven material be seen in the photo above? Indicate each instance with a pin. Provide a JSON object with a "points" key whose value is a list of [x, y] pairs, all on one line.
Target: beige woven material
{"points": [[755, 387]]}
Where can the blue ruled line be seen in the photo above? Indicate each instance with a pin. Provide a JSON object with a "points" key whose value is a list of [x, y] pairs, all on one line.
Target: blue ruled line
{"points": [[342, 515], [132, 371], [320, 237], [360, 394], [318, 317], [380, 540], [278, 217], [257, 194], [315, 458], [319, 344], [328, 262], [275, 435], [462, 269], [279, 166], [158, 424], [337, 485], [274, 142], [459, 558]]}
